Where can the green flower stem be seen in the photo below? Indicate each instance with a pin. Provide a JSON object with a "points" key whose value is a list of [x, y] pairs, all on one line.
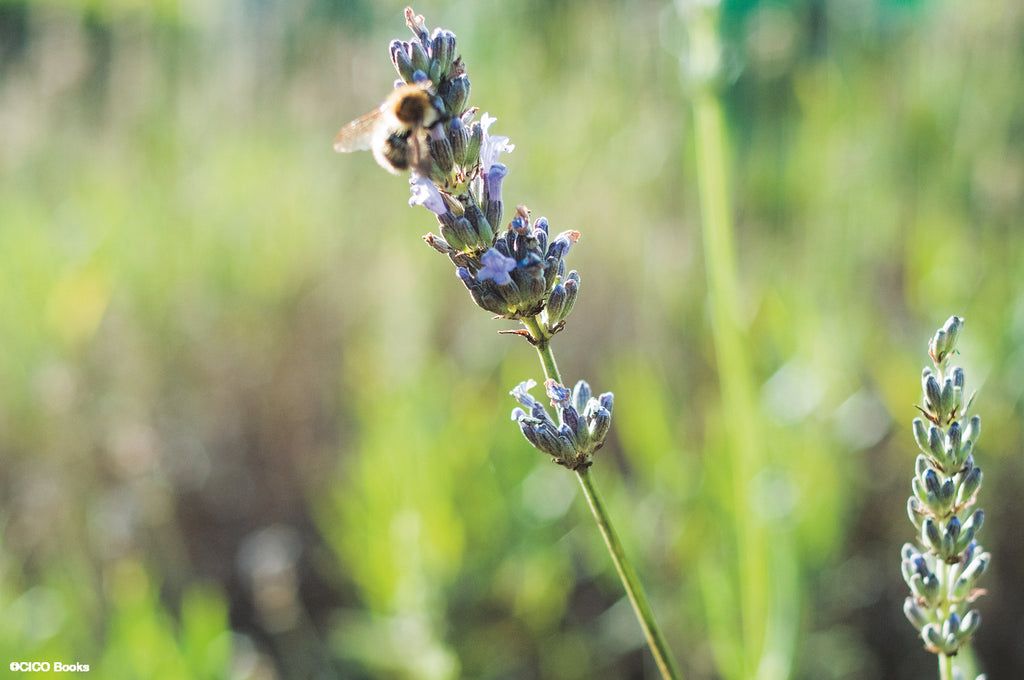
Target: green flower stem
{"points": [[655, 639], [543, 344], [945, 662], [942, 570], [945, 667]]}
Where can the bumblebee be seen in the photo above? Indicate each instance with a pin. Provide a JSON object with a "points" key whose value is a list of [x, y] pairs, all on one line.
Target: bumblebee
{"points": [[396, 131]]}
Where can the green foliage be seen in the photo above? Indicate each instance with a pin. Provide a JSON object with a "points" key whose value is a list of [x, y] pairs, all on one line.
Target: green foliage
{"points": [[50, 622], [142, 641]]}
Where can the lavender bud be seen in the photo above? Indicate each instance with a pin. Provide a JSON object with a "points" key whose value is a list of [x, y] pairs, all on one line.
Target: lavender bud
{"points": [[556, 303], [925, 587], [572, 289], [968, 553], [476, 217], [455, 94], [964, 540], [600, 426], [957, 374], [458, 137], [946, 338], [555, 445], [553, 270], [937, 346], [947, 399], [961, 588], [400, 58], [932, 637], [559, 248], [951, 626], [917, 616], [442, 50], [916, 512], [969, 486], [921, 435], [975, 521], [920, 490], [492, 194], [953, 440], [966, 451], [581, 394], [952, 532], [569, 435], [435, 71], [975, 568], [931, 535], [973, 429], [932, 394], [947, 493], [514, 296], [970, 623], [532, 433], [571, 418], [441, 149], [907, 566], [458, 232], [476, 140], [485, 297], [418, 57], [536, 286], [936, 442]]}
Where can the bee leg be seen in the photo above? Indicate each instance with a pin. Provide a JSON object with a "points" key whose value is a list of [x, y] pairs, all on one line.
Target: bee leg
{"points": [[419, 154]]}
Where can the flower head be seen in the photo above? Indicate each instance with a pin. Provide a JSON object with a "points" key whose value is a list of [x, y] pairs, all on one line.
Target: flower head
{"points": [[583, 422], [517, 277]]}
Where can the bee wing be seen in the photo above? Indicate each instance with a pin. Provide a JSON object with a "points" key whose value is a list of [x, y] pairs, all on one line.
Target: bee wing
{"points": [[357, 135]]}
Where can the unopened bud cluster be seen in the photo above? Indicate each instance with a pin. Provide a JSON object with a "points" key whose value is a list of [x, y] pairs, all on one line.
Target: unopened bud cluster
{"points": [[943, 575], [583, 421]]}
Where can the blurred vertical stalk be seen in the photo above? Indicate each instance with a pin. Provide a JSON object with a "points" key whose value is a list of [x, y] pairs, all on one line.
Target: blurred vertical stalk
{"points": [[764, 566]]}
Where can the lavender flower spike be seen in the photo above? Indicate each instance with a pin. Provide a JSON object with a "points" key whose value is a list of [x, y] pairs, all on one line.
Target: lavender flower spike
{"points": [[942, 571]]}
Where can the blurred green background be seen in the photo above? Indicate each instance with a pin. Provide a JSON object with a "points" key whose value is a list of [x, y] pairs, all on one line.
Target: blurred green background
{"points": [[251, 427]]}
